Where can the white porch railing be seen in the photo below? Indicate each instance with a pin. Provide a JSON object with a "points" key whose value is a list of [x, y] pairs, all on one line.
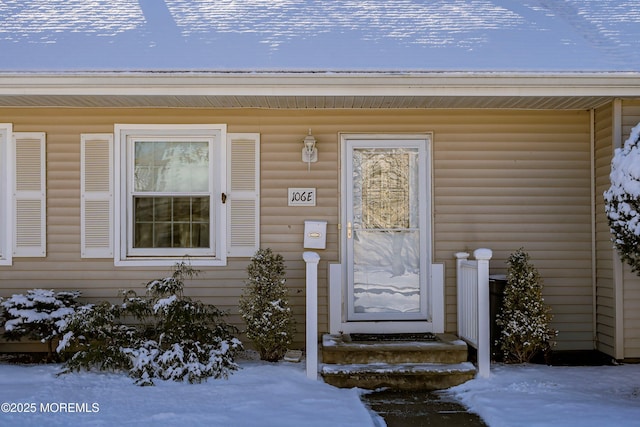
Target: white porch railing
{"points": [[474, 321]]}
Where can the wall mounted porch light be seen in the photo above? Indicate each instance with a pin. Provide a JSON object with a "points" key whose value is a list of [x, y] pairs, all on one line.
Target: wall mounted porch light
{"points": [[309, 151]]}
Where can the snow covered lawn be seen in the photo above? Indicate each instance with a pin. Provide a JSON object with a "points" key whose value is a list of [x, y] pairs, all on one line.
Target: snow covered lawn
{"points": [[537, 395], [260, 394], [265, 394]]}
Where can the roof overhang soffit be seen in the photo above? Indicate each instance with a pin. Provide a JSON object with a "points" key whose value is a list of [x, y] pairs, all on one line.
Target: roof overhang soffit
{"points": [[318, 90]]}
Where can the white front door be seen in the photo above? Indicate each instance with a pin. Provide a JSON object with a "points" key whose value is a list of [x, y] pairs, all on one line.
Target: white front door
{"points": [[387, 236]]}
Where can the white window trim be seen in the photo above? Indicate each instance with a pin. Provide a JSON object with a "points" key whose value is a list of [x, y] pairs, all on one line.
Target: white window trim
{"points": [[6, 200], [122, 215]]}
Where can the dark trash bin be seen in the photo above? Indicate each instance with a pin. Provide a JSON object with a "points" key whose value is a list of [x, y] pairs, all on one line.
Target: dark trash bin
{"points": [[497, 283]]}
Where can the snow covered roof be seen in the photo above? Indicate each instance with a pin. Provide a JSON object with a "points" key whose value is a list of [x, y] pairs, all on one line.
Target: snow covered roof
{"points": [[540, 54], [320, 35]]}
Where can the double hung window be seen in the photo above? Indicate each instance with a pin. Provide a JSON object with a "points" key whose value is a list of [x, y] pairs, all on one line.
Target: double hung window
{"points": [[169, 178], [154, 194], [170, 195]]}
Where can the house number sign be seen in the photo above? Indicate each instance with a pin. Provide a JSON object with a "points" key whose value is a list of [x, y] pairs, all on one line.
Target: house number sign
{"points": [[302, 196]]}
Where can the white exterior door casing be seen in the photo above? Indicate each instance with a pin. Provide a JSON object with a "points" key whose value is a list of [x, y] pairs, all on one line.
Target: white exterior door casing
{"points": [[386, 281]]}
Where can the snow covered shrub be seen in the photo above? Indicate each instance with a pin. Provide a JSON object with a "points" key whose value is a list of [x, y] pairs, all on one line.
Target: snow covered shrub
{"points": [[264, 306], [622, 200], [187, 340], [40, 314], [95, 334], [524, 317], [161, 335]]}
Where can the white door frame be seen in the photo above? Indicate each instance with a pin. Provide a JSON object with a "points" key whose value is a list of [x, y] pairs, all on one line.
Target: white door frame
{"points": [[338, 273]]}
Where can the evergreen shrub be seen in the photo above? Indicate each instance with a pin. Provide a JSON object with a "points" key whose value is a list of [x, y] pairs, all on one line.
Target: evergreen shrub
{"points": [[264, 306], [163, 335], [622, 200], [39, 314], [524, 318]]}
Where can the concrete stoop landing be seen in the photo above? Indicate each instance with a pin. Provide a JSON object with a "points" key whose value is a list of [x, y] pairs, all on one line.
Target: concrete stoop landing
{"points": [[398, 364]]}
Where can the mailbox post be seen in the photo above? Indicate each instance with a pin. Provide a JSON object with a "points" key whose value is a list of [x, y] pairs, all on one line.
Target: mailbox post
{"points": [[311, 259]]}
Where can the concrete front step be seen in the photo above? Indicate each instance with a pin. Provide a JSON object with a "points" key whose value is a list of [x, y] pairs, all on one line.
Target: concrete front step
{"points": [[340, 349], [408, 376], [398, 364]]}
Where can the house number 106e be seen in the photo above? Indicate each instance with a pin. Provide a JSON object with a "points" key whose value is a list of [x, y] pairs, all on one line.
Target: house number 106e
{"points": [[302, 196]]}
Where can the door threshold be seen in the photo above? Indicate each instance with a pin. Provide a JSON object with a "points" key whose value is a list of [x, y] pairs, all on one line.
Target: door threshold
{"points": [[385, 327]]}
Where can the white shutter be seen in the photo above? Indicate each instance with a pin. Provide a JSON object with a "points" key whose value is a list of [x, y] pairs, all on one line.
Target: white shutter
{"points": [[6, 200], [29, 195], [96, 196], [243, 199]]}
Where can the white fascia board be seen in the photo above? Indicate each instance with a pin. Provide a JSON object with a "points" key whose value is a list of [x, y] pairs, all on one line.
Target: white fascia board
{"points": [[322, 84]]}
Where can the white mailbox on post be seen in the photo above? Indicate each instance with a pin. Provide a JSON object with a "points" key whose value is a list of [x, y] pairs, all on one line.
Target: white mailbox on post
{"points": [[315, 234]]}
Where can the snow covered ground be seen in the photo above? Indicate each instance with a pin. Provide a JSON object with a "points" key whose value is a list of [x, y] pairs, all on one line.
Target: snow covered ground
{"points": [[260, 394], [264, 394], [537, 395]]}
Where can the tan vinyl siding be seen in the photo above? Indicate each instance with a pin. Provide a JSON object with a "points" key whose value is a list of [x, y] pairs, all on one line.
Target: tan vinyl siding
{"points": [[507, 180], [502, 179], [605, 255], [631, 281]]}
